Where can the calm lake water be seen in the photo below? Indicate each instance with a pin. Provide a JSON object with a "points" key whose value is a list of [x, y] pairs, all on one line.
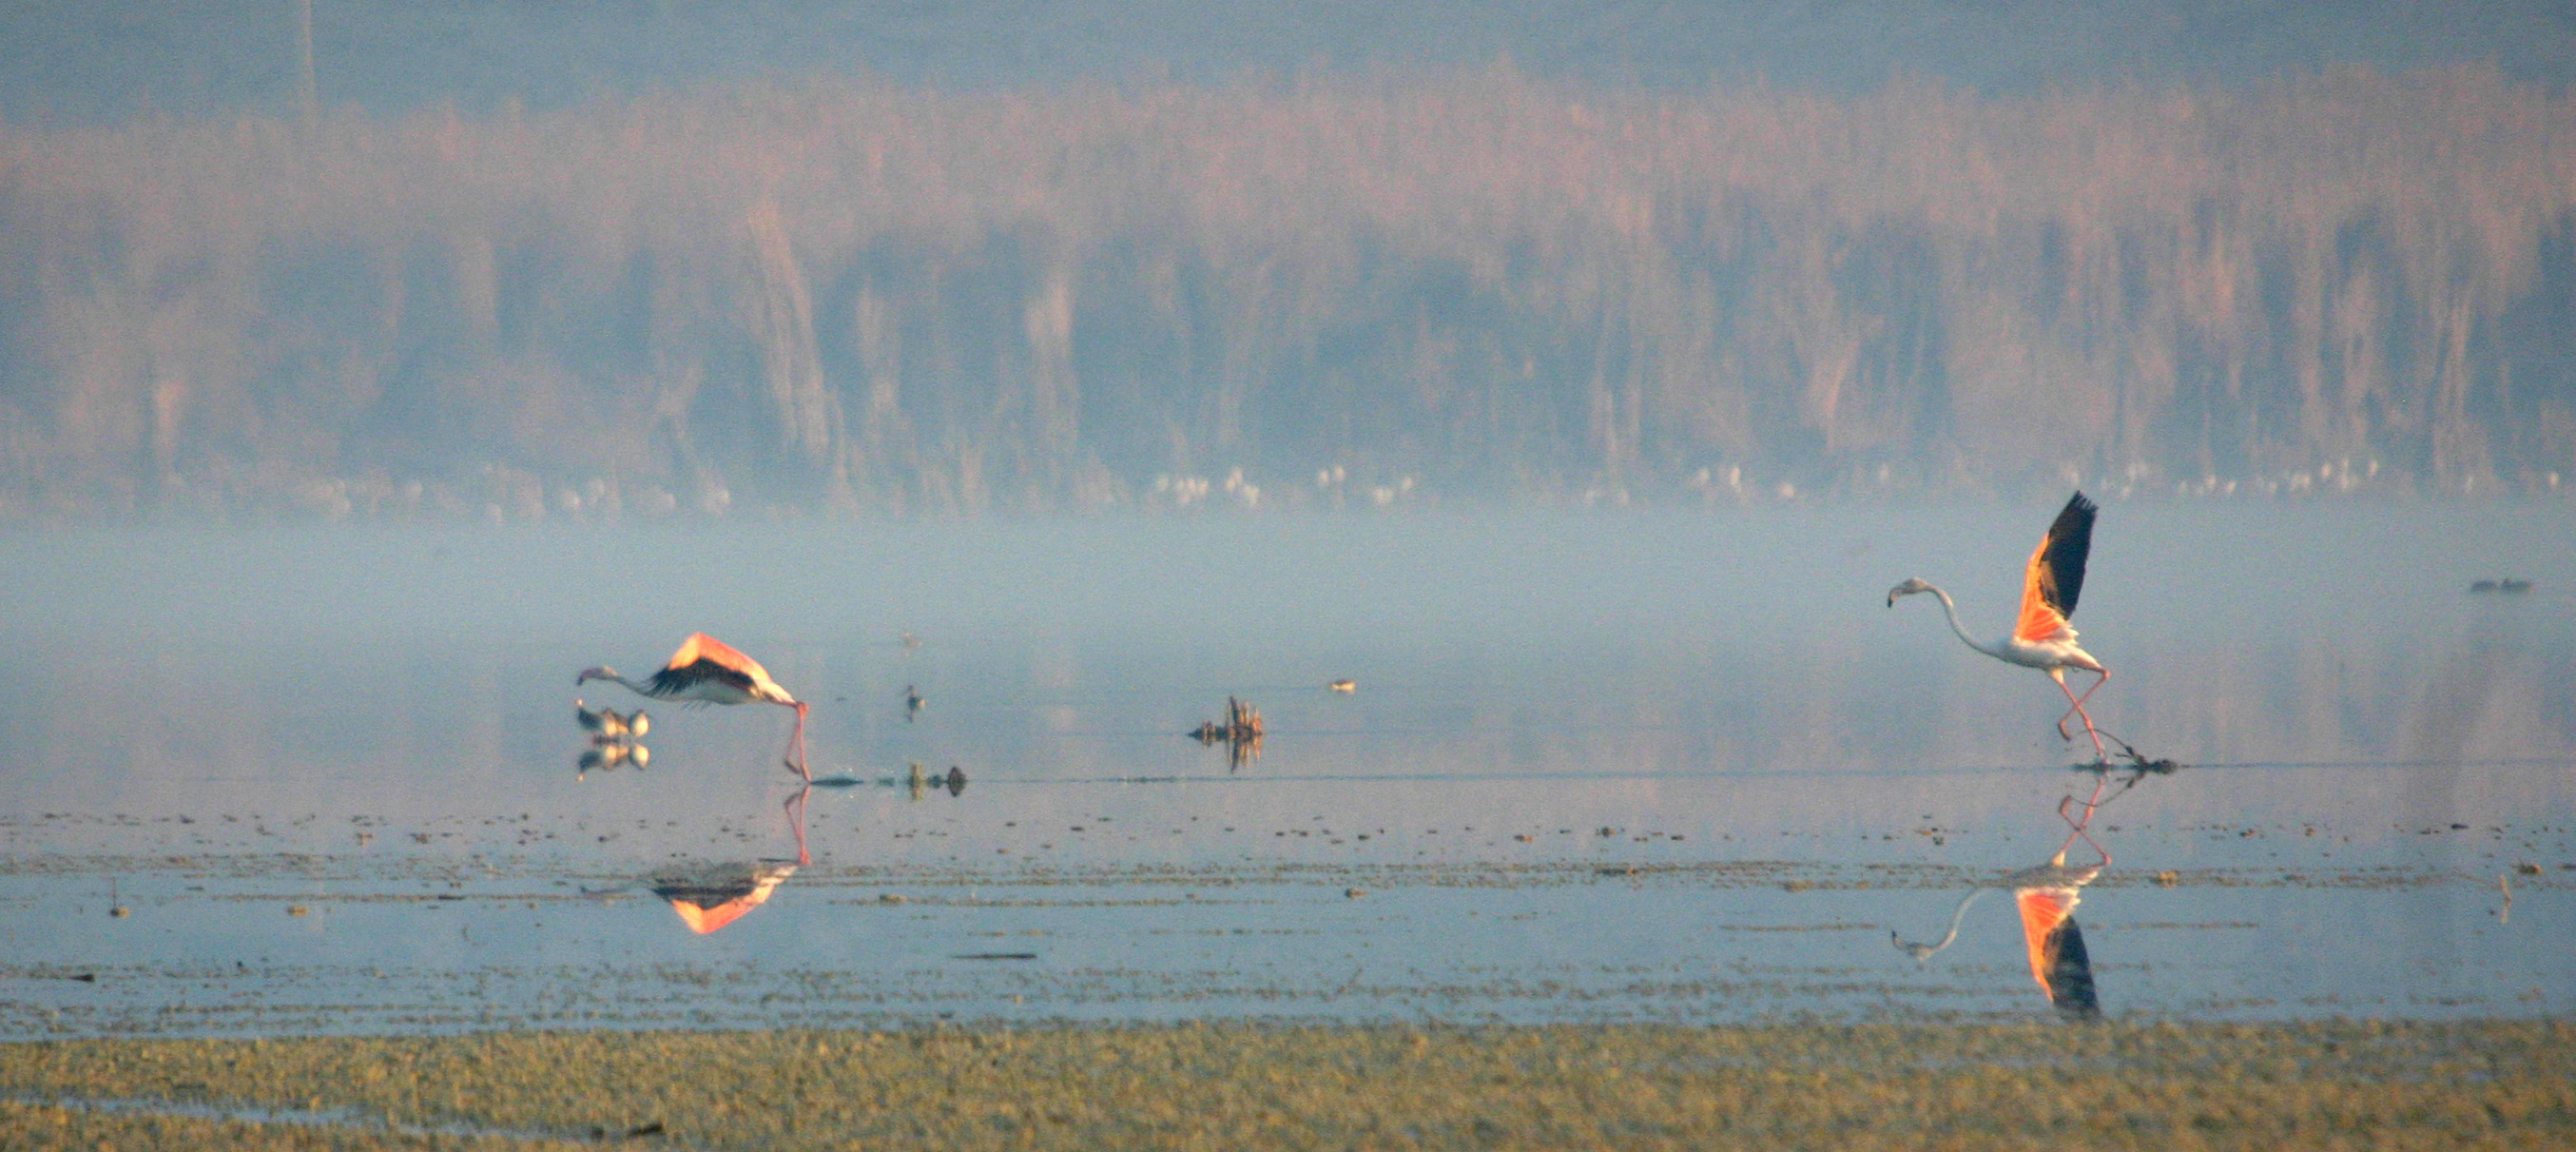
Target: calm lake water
{"points": [[1659, 766]]}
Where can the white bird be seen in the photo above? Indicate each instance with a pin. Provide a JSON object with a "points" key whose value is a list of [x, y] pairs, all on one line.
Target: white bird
{"points": [[2041, 638], [707, 671], [604, 725]]}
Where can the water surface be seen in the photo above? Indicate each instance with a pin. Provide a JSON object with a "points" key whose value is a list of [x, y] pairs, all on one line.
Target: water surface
{"points": [[1601, 767]]}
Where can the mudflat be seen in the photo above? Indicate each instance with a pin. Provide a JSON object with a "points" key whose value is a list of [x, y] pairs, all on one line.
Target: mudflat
{"points": [[2316, 1084]]}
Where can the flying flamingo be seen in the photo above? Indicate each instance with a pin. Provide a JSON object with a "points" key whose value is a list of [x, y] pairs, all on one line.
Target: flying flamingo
{"points": [[707, 671], [2042, 639]]}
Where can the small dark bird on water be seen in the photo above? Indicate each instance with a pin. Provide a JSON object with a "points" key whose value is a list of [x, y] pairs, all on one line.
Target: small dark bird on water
{"points": [[911, 702]]}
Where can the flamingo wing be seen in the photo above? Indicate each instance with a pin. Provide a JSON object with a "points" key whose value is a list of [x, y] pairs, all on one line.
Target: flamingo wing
{"points": [[704, 660], [2055, 576], [2045, 914], [713, 903], [2058, 960]]}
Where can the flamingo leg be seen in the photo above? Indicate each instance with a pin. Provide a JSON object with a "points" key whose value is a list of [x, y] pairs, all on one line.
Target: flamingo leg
{"points": [[2077, 707], [2103, 676], [2077, 828], [796, 823], [796, 744]]}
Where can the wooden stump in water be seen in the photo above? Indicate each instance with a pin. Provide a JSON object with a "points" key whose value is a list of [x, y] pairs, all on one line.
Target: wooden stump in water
{"points": [[1240, 732]]}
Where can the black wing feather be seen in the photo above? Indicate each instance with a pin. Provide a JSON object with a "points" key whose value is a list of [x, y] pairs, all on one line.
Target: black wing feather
{"points": [[2069, 540], [674, 680], [2070, 972]]}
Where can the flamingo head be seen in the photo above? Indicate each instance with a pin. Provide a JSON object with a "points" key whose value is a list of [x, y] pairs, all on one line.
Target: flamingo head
{"points": [[1908, 588], [603, 672], [1920, 952]]}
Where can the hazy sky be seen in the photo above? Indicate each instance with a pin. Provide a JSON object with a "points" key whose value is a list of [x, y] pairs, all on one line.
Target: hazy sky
{"points": [[73, 62]]}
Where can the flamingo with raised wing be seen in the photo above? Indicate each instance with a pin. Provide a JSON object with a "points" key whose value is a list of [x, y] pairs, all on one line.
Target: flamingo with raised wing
{"points": [[708, 671], [2041, 637]]}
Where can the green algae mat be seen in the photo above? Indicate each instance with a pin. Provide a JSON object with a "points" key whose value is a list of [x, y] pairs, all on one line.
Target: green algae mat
{"points": [[2487, 1084]]}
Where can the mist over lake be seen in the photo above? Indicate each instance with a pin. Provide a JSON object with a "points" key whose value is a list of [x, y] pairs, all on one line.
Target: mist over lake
{"points": [[1218, 575]]}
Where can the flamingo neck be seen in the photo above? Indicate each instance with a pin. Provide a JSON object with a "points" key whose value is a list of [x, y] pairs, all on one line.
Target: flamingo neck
{"points": [[644, 689], [1951, 610], [1960, 913]]}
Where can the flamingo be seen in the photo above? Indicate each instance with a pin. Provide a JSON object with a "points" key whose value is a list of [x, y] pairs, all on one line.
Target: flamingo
{"points": [[707, 671], [2042, 639]]}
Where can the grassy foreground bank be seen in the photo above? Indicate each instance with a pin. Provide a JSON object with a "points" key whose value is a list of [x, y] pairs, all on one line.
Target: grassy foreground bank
{"points": [[2489, 1084]]}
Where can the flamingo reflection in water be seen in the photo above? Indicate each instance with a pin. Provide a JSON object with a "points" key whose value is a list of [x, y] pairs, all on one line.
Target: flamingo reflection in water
{"points": [[710, 897], [708, 671], [2046, 895]]}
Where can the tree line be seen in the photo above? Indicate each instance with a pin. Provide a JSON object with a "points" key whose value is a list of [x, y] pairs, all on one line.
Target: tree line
{"points": [[832, 296]]}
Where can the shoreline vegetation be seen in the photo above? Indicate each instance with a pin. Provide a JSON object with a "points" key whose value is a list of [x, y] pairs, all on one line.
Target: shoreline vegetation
{"points": [[842, 297], [2322, 1084]]}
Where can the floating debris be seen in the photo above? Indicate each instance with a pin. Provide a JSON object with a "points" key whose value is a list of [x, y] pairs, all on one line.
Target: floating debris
{"points": [[1345, 687], [2508, 586], [1240, 732], [1242, 723]]}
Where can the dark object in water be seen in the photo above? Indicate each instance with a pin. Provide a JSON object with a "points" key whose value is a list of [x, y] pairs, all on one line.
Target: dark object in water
{"points": [[911, 703], [956, 780], [2139, 766], [1240, 732], [999, 956], [2508, 586], [838, 781]]}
